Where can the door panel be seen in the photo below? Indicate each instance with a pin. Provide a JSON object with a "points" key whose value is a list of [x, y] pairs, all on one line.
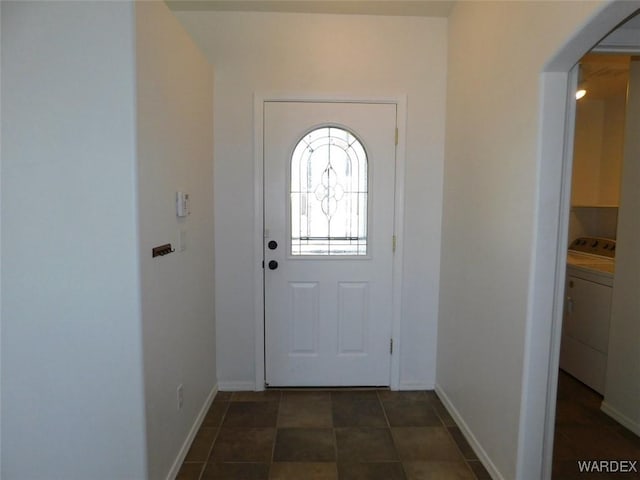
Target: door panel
{"points": [[304, 317], [353, 318], [328, 303]]}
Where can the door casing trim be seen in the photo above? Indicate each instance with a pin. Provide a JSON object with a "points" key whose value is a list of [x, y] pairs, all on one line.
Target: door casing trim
{"points": [[259, 100], [546, 286]]}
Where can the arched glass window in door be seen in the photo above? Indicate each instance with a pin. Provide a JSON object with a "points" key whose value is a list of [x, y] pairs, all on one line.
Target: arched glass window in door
{"points": [[329, 194]]}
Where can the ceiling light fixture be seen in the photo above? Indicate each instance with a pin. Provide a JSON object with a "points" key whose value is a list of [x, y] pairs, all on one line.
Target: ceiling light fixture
{"points": [[580, 93]]}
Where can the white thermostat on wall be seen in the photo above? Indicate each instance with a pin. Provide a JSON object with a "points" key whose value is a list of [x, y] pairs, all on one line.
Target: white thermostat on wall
{"points": [[182, 204]]}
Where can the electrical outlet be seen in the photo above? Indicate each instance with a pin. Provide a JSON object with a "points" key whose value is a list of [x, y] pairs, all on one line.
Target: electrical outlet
{"points": [[180, 395]]}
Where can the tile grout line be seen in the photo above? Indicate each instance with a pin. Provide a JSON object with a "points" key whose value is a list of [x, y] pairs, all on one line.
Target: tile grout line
{"points": [[204, 467], [215, 437], [466, 460], [388, 427], [393, 441], [447, 429], [335, 436], [275, 437], [384, 411]]}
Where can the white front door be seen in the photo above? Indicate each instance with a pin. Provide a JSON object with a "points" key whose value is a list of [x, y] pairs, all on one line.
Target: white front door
{"points": [[329, 176]]}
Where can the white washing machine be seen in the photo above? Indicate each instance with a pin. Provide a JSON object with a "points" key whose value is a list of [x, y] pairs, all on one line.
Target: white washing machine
{"points": [[587, 310]]}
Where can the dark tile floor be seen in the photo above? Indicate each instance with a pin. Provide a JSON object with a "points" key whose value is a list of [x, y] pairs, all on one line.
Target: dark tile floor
{"points": [[583, 432], [330, 435]]}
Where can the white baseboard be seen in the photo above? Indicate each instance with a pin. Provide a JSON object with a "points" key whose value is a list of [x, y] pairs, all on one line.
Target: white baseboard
{"points": [[620, 417], [175, 468], [414, 386], [236, 386], [466, 431]]}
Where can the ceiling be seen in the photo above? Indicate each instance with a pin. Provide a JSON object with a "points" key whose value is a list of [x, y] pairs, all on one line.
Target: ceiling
{"points": [[604, 73], [419, 8], [633, 22], [604, 76]]}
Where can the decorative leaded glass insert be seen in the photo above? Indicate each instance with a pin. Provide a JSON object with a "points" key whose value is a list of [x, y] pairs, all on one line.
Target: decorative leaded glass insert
{"points": [[329, 185]]}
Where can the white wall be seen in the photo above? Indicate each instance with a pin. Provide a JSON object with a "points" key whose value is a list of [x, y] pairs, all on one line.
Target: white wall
{"points": [[595, 222], [175, 153], [612, 149], [598, 151], [597, 160], [622, 387], [72, 396], [497, 51], [323, 55], [587, 152]]}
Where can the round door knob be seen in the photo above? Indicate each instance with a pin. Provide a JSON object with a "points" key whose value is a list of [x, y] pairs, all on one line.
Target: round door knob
{"points": [[273, 265], [272, 245]]}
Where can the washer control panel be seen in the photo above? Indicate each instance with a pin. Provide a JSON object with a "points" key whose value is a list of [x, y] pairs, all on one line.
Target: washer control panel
{"points": [[605, 247]]}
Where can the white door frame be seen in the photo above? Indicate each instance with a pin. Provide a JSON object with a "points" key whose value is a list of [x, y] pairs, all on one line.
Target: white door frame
{"points": [[548, 257], [258, 227]]}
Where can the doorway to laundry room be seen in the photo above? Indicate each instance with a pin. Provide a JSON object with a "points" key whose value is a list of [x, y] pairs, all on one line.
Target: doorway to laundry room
{"points": [[597, 415]]}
